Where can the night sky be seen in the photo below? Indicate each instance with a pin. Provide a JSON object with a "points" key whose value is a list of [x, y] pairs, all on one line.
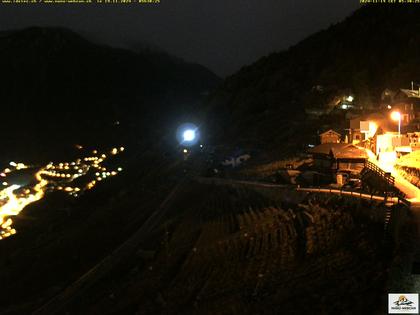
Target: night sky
{"points": [[222, 35]]}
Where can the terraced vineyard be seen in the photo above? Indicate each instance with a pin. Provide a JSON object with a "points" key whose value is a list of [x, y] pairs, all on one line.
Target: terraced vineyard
{"points": [[233, 250]]}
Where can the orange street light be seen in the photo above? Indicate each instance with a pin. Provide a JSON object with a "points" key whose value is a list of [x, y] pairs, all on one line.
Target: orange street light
{"points": [[396, 116]]}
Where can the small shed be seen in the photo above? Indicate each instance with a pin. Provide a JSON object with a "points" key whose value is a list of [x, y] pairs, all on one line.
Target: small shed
{"points": [[336, 157], [330, 136]]}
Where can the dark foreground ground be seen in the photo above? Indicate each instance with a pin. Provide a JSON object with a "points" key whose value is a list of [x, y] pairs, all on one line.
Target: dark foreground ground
{"points": [[205, 249]]}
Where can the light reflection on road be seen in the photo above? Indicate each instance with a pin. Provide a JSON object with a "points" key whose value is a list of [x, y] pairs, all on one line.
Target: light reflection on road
{"points": [[387, 163]]}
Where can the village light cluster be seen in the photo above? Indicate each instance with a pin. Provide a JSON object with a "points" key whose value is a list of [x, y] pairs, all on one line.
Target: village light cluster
{"points": [[53, 177]]}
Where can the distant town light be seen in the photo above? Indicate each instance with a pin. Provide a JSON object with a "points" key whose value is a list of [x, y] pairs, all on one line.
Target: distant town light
{"points": [[20, 166], [389, 106], [350, 98]]}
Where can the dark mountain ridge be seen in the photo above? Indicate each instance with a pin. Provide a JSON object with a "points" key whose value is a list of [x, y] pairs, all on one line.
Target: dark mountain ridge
{"points": [[58, 86]]}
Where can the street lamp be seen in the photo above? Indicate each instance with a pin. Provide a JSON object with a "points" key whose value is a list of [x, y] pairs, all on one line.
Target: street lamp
{"points": [[396, 116], [188, 135]]}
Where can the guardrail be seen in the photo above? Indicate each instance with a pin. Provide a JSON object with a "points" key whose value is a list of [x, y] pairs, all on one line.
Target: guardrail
{"points": [[385, 175], [350, 193], [404, 201], [357, 194], [390, 181]]}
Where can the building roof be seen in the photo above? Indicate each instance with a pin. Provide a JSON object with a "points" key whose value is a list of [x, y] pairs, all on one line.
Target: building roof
{"points": [[326, 148], [411, 93], [330, 131], [340, 151], [350, 152]]}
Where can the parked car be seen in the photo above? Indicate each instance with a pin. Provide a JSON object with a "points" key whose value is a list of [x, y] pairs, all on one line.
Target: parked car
{"points": [[353, 184]]}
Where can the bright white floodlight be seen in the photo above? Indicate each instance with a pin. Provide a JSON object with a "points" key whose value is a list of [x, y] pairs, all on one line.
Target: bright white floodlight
{"points": [[188, 135]]}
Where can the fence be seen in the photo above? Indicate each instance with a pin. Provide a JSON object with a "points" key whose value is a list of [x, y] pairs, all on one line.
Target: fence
{"points": [[385, 175]]}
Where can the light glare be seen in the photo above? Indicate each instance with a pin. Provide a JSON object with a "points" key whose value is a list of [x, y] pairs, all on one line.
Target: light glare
{"points": [[189, 135], [395, 116]]}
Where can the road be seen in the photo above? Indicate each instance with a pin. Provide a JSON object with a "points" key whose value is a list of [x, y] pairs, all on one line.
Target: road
{"points": [[412, 192], [222, 181]]}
